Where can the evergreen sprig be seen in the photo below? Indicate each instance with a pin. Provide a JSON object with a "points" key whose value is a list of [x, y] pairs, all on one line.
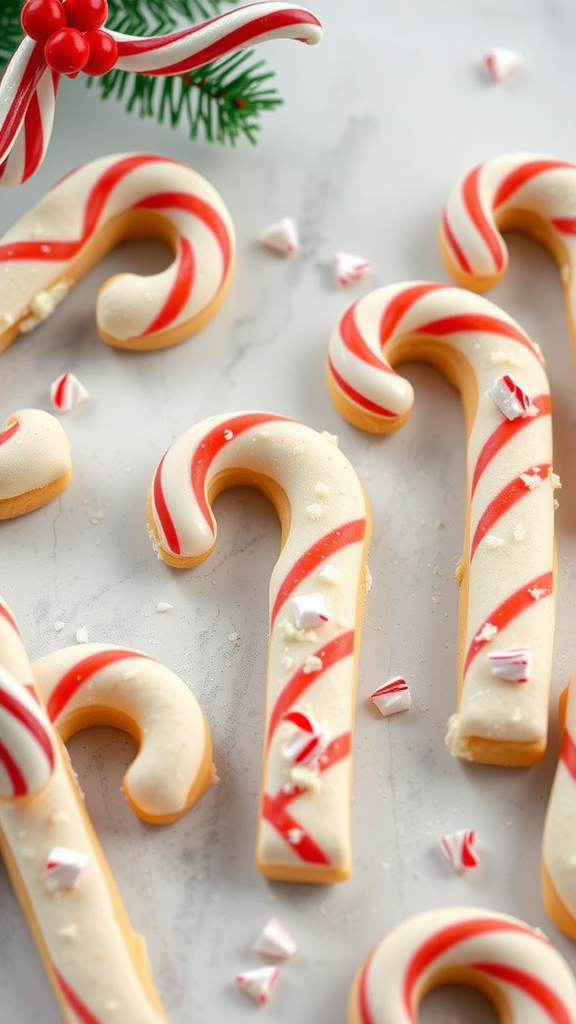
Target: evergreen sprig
{"points": [[222, 101]]}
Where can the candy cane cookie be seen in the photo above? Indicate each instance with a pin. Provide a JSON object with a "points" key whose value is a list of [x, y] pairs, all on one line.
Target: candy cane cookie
{"points": [[30, 83], [95, 684], [103, 202], [525, 191], [96, 963], [304, 821], [35, 464], [558, 854], [507, 570], [516, 966]]}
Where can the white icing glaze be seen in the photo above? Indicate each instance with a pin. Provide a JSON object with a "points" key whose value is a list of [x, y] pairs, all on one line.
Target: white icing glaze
{"points": [[559, 836], [461, 332], [303, 831], [89, 211], [98, 684], [517, 966], [34, 453]]}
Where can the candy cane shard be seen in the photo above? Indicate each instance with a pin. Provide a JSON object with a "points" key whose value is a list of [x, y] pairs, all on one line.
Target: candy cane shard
{"points": [[28, 88], [305, 810], [558, 854], [95, 962], [516, 966], [95, 684], [35, 464], [525, 191], [507, 570], [108, 200]]}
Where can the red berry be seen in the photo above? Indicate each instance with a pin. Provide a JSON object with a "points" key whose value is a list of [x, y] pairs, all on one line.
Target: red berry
{"points": [[66, 51], [86, 15], [103, 52], [40, 18]]}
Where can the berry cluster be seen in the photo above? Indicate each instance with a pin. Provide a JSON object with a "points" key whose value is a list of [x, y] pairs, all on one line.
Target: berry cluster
{"points": [[72, 34]]}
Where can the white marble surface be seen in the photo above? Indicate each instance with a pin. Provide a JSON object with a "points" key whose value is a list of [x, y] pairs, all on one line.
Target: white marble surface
{"points": [[378, 122]]}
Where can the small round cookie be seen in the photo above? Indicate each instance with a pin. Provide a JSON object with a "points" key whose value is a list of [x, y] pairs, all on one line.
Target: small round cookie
{"points": [[35, 464]]}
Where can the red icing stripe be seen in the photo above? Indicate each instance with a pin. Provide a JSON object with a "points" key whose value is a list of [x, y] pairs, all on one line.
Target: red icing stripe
{"points": [[17, 779], [355, 342], [511, 493], [80, 673], [568, 753], [340, 647], [473, 207], [184, 274], [38, 731], [504, 432], [565, 225], [458, 253], [8, 617], [480, 322], [244, 35], [548, 1001], [74, 1002], [363, 997], [339, 538], [357, 398], [523, 174], [161, 507], [9, 432], [508, 610], [401, 304]]}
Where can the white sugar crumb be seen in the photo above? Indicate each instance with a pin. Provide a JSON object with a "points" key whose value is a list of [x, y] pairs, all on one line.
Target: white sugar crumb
{"points": [[228, 434], [58, 818], [305, 778], [492, 541], [322, 490], [554, 479], [288, 631], [59, 625], [129, 673], [82, 636], [314, 511], [332, 438], [287, 663], [436, 599], [235, 639], [312, 664], [330, 574], [488, 632], [163, 606], [295, 836], [97, 517], [500, 358], [69, 932], [531, 480], [537, 592], [367, 580], [298, 449], [519, 532]]}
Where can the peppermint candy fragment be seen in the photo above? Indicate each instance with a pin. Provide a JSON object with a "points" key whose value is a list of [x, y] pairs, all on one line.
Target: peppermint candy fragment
{"points": [[309, 611], [64, 867], [511, 399], [394, 696], [67, 392], [281, 237], [349, 268], [259, 983], [458, 848], [275, 940], [513, 664], [501, 63], [309, 741]]}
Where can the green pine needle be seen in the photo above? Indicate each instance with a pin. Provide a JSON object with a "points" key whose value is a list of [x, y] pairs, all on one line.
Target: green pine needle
{"points": [[221, 101]]}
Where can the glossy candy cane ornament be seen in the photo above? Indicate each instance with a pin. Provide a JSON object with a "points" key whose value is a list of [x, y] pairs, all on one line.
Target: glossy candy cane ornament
{"points": [[507, 568], [516, 966], [108, 200], [305, 808], [29, 86], [559, 837], [96, 964], [525, 191]]}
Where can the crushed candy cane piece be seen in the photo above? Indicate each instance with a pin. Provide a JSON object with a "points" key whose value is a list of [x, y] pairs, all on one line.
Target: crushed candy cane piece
{"points": [[281, 237], [308, 742], [67, 392], [349, 268], [394, 696], [458, 848], [163, 606], [64, 867], [309, 610], [513, 664], [501, 63], [511, 399], [258, 983], [275, 940]]}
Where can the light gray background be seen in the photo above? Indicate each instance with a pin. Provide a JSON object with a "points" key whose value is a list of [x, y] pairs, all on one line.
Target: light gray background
{"points": [[378, 123]]}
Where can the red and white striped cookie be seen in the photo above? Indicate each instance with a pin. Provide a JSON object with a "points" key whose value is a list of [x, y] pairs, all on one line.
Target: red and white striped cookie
{"points": [[305, 809], [524, 191], [110, 199], [96, 684], [35, 464], [558, 854], [507, 567], [524, 975]]}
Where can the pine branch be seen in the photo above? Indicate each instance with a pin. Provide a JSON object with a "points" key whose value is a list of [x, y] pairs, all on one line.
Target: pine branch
{"points": [[11, 31]]}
